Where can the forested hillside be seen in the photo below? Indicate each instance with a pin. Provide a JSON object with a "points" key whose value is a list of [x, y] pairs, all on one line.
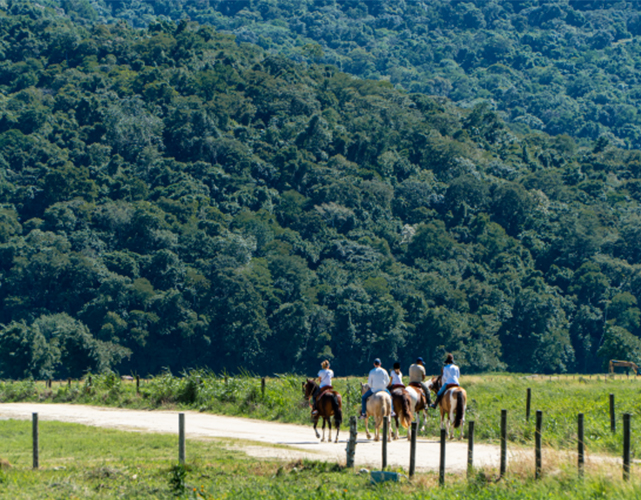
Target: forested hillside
{"points": [[561, 66], [171, 198]]}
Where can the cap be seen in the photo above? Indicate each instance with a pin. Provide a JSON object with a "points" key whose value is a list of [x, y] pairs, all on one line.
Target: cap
{"points": [[420, 360], [377, 361]]}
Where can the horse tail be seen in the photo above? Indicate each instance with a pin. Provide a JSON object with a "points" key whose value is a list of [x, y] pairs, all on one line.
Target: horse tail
{"points": [[338, 412], [460, 409], [406, 411]]}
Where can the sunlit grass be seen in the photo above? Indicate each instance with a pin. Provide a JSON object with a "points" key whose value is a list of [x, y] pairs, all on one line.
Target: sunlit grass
{"points": [[560, 399]]}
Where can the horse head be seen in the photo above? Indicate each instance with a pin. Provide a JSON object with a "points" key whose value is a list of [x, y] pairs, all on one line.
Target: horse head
{"points": [[436, 383], [308, 387], [364, 388]]}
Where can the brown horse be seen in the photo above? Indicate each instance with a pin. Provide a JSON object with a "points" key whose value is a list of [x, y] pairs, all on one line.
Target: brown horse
{"points": [[419, 405], [402, 404], [453, 404], [328, 403]]}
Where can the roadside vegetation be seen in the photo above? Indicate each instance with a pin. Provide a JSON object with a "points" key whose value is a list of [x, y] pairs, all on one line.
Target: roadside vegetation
{"points": [[560, 399], [84, 462]]}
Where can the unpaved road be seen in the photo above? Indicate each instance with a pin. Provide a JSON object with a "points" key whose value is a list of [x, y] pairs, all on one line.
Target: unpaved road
{"points": [[294, 441]]}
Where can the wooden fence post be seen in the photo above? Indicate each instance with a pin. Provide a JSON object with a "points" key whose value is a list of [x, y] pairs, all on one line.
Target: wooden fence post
{"points": [[181, 438], [537, 444], [414, 428], [34, 435], [613, 423], [528, 400], [503, 442], [137, 384], [385, 434], [581, 446], [441, 465], [351, 444], [262, 387], [470, 447], [69, 382], [626, 446]]}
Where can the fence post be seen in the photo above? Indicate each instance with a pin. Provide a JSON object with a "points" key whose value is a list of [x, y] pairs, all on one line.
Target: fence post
{"points": [[470, 447], [137, 384], [626, 446], [581, 446], [34, 435], [537, 444], [441, 465], [351, 444], [413, 448], [385, 434], [613, 423], [503, 442], [69, 382], [181, 438], [528, 400], [262, 387]]}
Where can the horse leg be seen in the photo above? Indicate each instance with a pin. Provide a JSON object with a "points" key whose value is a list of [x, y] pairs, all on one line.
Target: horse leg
{"points": [[367, 427], [315, 429], [329, 423], [338, 428], [324, 421]]}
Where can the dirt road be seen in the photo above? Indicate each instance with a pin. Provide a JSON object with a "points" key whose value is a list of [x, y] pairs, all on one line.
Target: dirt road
{"points": [[294, 441]]}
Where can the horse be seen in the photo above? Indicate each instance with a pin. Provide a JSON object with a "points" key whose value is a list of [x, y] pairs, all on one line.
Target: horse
{"points": [[453, 404], [328, 403], [402, 405], [418, 405], [379, 405]]}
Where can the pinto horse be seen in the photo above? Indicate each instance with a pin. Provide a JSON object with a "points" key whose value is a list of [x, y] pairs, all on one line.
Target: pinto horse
{"points": [[328, 403], [453, 404], [402, 404], [379, 405], [418, 404]]}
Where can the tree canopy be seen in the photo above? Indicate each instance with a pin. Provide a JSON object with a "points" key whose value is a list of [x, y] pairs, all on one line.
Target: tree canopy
{"points": [[170, 198]]}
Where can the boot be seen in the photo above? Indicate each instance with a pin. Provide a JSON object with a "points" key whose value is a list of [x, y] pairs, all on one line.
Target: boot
{"points": [[436, 402]]}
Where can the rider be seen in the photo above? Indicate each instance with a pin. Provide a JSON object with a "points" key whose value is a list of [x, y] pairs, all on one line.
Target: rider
{"points": [[449, 378], [377, 380], [397, 378], [325, 380], [417, 375]]}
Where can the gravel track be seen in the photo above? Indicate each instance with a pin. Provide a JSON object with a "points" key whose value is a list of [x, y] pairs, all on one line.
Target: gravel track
{"points": [[259, 438]]}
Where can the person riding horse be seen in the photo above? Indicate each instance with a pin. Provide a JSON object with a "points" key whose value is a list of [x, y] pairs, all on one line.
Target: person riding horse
{"points": [[417, 375], [450, 375], [377, 380], [324, 378], [397, 378]]}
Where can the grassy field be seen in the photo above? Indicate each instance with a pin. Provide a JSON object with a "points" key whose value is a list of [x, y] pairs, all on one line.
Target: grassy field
{"points": [[84, 462], [560, 399]]}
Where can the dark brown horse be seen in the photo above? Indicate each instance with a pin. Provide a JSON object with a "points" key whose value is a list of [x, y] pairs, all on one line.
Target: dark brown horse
{"points": [[402, 404], [328, 403], [452, 404]]}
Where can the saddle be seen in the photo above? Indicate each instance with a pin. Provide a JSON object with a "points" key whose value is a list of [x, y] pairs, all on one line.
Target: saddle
{"points": [[396, 386], [451, 386], [322, 390]]}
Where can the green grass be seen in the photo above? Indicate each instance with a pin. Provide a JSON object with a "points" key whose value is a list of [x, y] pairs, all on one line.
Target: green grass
{"points": [[85, 462], [560, 400]]}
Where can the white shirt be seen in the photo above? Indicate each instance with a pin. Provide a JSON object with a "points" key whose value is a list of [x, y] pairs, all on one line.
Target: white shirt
{"points": [[397, 378], [451, 374], [378, 379], [326, 377]]}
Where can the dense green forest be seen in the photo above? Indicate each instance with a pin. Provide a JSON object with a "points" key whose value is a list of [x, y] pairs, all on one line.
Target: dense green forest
{"points": [[561, 66], [171, 198]]}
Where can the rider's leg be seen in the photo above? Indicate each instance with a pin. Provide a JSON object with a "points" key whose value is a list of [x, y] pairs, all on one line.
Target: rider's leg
{"points": [[427, 393], [439, 395], [364, 402]]}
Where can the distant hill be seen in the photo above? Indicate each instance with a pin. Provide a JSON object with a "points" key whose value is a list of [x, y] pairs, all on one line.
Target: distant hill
{"points": [[564, 67], [171, 199]]}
